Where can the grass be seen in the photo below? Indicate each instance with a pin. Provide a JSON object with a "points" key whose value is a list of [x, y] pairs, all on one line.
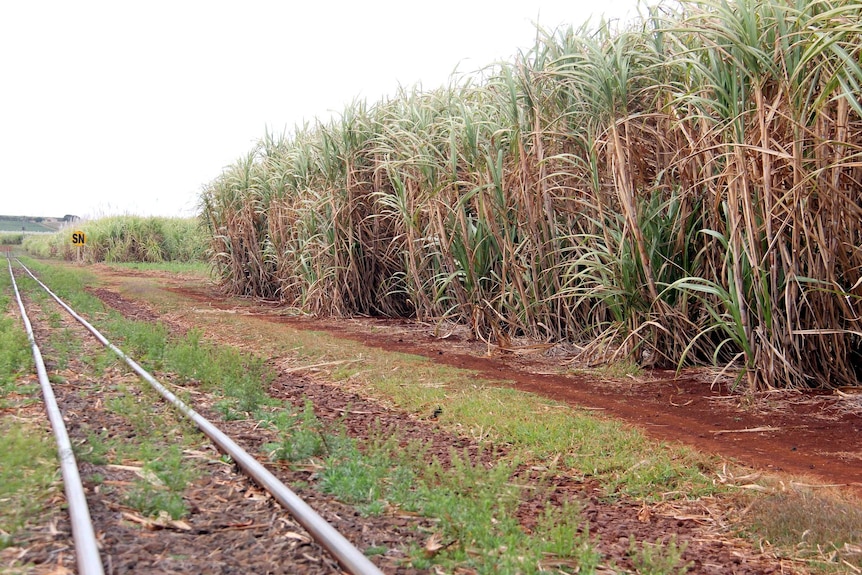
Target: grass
{"points": [[158, 433], [659, 558], [28, 475], [68, 283], [474, 505], [241, 377], [166, 476], [825, 531], [159, 437], [28, 466], [15, 356], [620, 457], [302, 436]]}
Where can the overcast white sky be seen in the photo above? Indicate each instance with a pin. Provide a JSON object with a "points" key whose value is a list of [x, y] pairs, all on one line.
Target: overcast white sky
{"points": [[132, 107]]}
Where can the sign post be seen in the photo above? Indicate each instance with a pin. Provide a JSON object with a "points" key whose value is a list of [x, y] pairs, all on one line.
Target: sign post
{"points": [[79, 239]]}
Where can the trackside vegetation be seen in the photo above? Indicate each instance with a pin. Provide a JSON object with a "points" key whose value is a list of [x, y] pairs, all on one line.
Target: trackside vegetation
{"points": [[125, 239], [680, 189], [28, 468], [472, 501]]}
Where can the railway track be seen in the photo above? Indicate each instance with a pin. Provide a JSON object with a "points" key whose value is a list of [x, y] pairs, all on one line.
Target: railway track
{"points": [[92, 543]]}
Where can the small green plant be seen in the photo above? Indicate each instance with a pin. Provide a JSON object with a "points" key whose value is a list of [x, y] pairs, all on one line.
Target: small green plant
{"points": [[565, 535], [353, 478], [165, 477], [15, 355], [301, 436], [27, 472], [227, 409], [239, 376], [65, 345], [153, 500], [101, 361], [95, 449], [658, 558], [132, 407], [169, 467], [55, 319]]}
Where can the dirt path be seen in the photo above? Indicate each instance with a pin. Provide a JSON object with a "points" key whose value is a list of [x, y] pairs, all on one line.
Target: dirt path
{"points": [[815, 436]]}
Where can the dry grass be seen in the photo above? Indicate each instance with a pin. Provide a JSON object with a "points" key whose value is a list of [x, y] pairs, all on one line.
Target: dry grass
{"points": [[824, 530]]}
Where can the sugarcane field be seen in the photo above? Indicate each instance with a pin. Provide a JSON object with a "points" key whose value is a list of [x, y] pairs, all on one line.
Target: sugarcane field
{"points": [[593, 309]]}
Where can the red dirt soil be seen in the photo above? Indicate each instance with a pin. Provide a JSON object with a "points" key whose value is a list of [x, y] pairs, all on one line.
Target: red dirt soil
{"points": [[813, 435]]}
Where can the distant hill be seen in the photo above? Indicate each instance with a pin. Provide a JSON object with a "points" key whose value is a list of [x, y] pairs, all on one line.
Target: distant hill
{"points": [[33, 224]]}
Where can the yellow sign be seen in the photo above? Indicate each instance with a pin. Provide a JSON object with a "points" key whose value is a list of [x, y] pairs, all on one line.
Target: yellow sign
{"points": [[79, 238]]}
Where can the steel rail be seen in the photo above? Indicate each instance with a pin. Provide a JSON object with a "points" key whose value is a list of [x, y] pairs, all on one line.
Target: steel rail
{"points": [[349, 556], [86, 548]]}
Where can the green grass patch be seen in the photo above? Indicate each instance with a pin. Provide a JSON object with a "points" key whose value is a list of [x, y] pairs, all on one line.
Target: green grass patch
{"points": [[621, 457], [97, 448], [658, 558], [65, 345], [241, 377], [165, 477], [474, 504], [16, 357], [301, 435], [145, 342], [68, 283], [28, 472]]}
